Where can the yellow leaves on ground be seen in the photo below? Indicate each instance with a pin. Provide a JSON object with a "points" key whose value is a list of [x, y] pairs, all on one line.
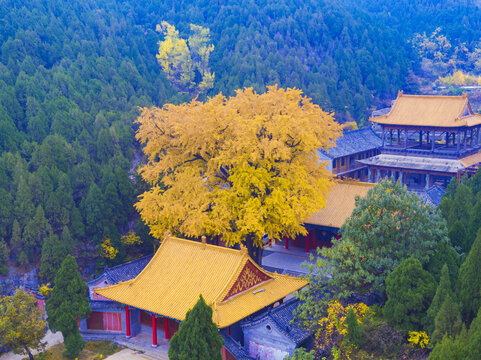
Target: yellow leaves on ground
{"points": [[235, 166]]}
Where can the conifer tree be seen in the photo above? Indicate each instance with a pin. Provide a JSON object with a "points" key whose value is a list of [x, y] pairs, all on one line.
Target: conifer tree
{"points": [[469, 281], [448, 320], [443, 290], [353, 335], [53, 251], [474, 338], [410, 290], [68, 303], [198, 337], [449, 349]]}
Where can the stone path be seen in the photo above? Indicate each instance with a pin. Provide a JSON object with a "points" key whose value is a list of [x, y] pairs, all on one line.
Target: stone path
{"points": [[51, 339]]}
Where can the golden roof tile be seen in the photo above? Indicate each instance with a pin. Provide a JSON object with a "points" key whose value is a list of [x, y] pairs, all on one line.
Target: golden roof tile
{"points": [[181, 270], [340, 203], [430, 111], [471, 159]]}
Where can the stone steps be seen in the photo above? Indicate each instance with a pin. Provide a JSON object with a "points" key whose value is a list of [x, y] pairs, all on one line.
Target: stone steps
{"points": [[155, 355]]}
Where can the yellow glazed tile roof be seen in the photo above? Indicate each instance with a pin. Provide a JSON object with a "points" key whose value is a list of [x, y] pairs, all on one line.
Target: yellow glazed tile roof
{"points": [[181, 270], [430, 111], [340, 203], [471, 159]]}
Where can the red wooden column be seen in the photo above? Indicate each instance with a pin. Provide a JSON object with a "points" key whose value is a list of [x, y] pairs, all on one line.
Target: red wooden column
{"points": [[229, 330], [166, 327], [154, 331], [307, 241], [287, 242], [127, 321]]}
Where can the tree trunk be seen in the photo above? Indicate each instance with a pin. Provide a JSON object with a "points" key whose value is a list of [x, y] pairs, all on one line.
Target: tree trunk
{"points": [[255, 252], [30, 356]]}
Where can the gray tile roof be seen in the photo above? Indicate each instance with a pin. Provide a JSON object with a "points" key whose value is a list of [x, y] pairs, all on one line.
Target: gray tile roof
{"points": [[125, 271], [282, 316], [432, 196], [236, 349], [414, 163], [353, 142]]}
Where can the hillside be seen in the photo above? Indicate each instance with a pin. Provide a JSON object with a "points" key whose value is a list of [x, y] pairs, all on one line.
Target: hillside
{"points": [[72, 74]]}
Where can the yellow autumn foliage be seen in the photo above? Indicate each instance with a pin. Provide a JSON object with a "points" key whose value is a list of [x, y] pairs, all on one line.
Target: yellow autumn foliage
{"points": [[45, 289], [180, 58], [131, 239], [460, 79], [239, 166], [107, 251], [419, 338], [333, 324]]}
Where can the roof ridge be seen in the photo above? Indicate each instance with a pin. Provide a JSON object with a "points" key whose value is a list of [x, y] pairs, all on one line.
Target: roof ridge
{"points": [[200, 244], [354, 182], [128, 262], [357, 130], [435, 96]]}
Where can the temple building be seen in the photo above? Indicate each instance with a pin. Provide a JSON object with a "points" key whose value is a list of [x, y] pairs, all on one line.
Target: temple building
{"points": [[324, 224], [157, 299], [351, 146], [426, 140]]}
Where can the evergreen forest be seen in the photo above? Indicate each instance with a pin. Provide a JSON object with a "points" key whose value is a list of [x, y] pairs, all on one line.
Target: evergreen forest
{"points": [[73, 74]]}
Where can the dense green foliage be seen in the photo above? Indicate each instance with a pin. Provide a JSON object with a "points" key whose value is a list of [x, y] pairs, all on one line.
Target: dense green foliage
{"points": [[443, 290], [386, 227], [198, 337], [21, 325], [448, 320], [464, 346], [469, 282], [410, 290], [353, 335], [67, 303], [73, 74]]}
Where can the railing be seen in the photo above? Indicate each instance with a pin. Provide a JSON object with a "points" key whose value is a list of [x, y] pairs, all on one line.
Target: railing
{"points": [[436, 153]]}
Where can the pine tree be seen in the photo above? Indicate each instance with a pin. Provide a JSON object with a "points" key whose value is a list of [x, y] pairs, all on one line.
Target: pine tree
{"points": [[353, 335], [443, 290], [67, 303], [53, 251], [410, 290], [469, 281], [474, 338], [36, 230], [450, 349], [448, 320], [198, 337]]}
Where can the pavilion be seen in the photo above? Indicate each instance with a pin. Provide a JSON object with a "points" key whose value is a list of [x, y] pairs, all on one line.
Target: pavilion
{"points": [[181, 270], [426, 139]]}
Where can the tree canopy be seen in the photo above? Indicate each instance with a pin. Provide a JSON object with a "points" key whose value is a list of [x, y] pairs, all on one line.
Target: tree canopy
{"points": [[387, 226], [410, 290], [21, 324], [238, 167], [198, 337], [68, 303]]}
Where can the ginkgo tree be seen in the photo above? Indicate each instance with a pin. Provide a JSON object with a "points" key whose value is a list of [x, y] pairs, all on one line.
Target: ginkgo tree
{"points": [[182, 60], [235, 167]]}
